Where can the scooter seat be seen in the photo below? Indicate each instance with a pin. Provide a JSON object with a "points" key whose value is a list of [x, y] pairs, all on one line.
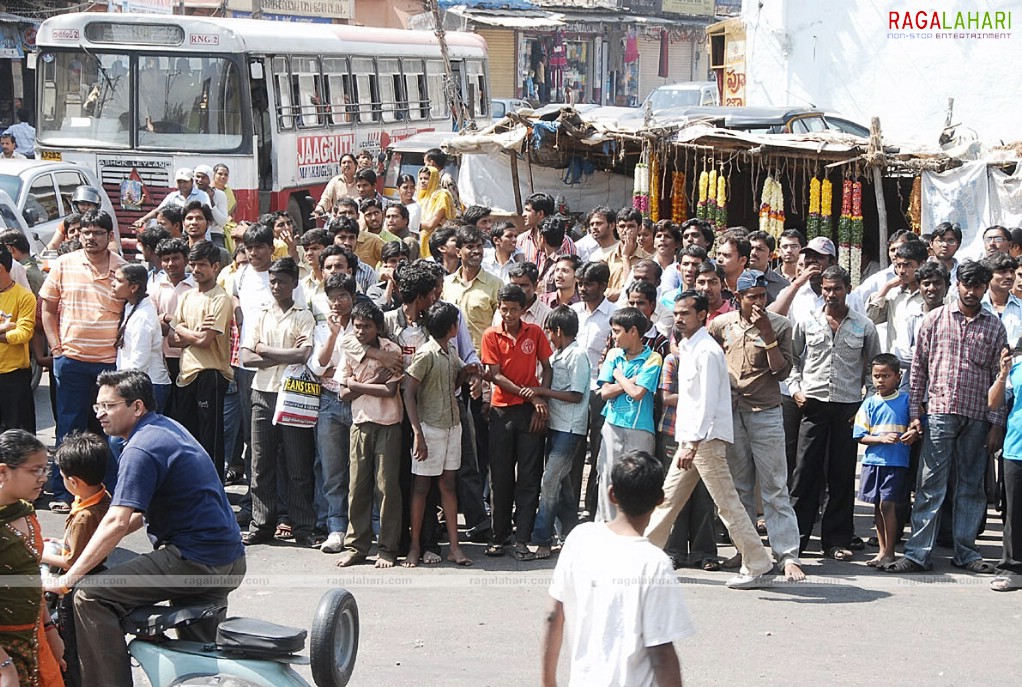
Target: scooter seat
{"points": [[252, 637], [155, 620]]}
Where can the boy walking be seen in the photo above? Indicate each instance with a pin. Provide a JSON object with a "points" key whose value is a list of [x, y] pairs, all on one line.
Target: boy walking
{"points": [[434, 375], [627, 383], [376, 413], [881, 425], [568, 402], [518, 416], [624, 634]]}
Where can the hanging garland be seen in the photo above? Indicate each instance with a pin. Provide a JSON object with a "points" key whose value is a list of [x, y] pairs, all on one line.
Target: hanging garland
{"points": [[915, 205], [826, 208], [704, 182], [640, 188], [857, 227], [771, 209], [813, 221], [679, 203], [721, 200], [654, 186]]}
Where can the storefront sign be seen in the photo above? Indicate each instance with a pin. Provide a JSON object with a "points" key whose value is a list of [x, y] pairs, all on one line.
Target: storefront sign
{"points": [[10, 42], [142, 6], [734, 74], [336, 9], [694, 8], [238, 14]]}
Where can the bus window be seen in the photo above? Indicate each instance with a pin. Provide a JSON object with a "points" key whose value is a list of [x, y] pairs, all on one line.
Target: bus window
{"points": [[478, 97], [282, 82], [416, 92], [367, 91], [338, 90], [306, 80], [439, 107], [86, 100], [392, 100], [200, 107]]}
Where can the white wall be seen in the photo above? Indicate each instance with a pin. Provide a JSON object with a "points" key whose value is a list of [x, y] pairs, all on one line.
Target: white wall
{"points": [[836, 55]]}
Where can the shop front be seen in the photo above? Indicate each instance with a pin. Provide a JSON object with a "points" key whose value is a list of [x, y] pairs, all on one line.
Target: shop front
{"points": [[17, 82]]}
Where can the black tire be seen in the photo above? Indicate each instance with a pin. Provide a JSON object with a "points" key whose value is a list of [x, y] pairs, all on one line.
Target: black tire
{"points": [[334, 643]]}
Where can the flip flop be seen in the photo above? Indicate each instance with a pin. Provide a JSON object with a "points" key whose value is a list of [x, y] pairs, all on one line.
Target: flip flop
{"points": [[905, 565], [494, 550], [283, 531], [838, 553], [856, 544], [710, 564], [978, 566], [524, 555]]}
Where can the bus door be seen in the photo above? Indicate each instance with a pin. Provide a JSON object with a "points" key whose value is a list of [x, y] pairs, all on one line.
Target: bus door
{"points": [[262, 127]]}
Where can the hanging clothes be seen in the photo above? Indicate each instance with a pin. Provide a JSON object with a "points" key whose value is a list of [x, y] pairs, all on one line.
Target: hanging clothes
{"points": [[631, 47]]}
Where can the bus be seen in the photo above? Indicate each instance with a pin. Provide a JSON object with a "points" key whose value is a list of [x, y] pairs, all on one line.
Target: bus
{"points": [[137, 96]]}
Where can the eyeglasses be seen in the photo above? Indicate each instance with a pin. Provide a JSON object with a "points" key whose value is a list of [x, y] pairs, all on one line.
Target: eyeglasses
{"points": [[88, 233], [105, 407], [947, 241], [38, 472], [994, 239]]}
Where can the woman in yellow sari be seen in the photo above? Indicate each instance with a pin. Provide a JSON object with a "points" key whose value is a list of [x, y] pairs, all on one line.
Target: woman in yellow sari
{"points": [[438, 206]]}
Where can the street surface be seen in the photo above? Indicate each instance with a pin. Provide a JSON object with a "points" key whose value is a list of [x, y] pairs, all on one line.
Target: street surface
{"points": [[482, 626]]}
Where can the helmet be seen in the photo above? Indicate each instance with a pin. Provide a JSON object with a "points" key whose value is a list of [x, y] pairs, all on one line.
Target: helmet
{"points": [[86, 194]]}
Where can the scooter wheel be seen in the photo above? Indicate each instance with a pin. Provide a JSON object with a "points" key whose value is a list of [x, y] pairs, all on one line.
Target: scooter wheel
{"points": [[334, 641]]}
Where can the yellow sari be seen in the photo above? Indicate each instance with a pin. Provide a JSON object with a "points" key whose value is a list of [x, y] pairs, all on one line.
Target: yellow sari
{"points": [[434, 201]]}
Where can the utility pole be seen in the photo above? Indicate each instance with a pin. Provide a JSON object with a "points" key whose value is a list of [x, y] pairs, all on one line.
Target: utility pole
{"points": [[452, 89]]}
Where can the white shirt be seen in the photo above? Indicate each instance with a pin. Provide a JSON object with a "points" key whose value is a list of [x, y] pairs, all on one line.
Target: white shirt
{"points": [[142, 348], [252, 289], [586, 246], [165, 297], [219, 208], [320, 337], [593, 330], [414, 217], [501, 272], [24, 135], [805, 303], [704, 391], [860, 296], [175, 198], [19, 275], [621, 597]]}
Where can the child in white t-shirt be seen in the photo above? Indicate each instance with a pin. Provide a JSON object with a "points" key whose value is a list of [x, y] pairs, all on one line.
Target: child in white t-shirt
{"points": [[618, 592]]}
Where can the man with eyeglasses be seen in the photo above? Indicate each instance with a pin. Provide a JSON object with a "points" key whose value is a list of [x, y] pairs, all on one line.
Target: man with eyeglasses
{"points": [[947, 239], [198, 557], [996, 239], [81, 337]]}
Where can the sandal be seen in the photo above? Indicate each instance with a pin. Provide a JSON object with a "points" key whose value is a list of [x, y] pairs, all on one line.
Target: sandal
{"points": [[978, 566], [856, 544], [905, 565], [494, 550], [523, 555], [1004, 583], [838, 553], [283, 531], [710, 564]]}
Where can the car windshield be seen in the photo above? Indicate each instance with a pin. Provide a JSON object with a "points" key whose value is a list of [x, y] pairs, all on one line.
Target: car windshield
{"points": [[8, 220], [186, 103], [667, 98], [11, 185]]}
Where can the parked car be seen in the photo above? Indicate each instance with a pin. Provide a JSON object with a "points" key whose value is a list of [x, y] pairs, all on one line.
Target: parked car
{"points": [[10, 216], [757, 120], [500, 107], [845, 125], [42, 191], [684, 94]]}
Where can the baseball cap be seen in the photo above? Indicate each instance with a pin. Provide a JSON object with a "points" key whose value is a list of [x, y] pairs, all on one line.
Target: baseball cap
{"points": [[750, 279], [823, 246], [204, 169], [183, 174]]}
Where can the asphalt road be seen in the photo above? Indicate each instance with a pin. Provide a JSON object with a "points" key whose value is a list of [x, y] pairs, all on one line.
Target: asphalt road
{"points": [[479, 626]]}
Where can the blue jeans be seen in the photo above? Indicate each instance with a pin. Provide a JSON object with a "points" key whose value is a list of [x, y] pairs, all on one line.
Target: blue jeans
{"points": [[76, 393], [959, 440], [333, 436], [556, 492]]}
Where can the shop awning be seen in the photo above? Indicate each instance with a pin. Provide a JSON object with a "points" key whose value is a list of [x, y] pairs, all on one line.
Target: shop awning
{"points": [[523, 19]]}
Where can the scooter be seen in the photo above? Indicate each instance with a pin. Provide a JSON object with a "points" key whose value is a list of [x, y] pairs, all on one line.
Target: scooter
{"points": [[247, 652]]}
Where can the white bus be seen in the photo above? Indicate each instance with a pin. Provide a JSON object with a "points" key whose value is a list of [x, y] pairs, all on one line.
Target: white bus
{"points": [[137, 96]]}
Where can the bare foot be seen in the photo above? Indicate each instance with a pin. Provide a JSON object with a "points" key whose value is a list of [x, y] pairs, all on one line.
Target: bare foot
{"points": [[431, 558], [876, 562], [456, 555], [348, 559], [793, 572], [412, 559], [543, 552], [382, 562]]}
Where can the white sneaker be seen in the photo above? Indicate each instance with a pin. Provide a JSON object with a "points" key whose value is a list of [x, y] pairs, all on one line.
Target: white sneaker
{"points": [[748, 581], [333, 544]]}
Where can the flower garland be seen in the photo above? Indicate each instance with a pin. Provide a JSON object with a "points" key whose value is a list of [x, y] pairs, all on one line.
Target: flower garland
{"points": [[771, 209], [640, 188], [679, 203], [654, 187]]}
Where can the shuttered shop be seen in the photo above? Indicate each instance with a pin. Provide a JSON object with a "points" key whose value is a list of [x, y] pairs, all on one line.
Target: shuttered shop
{"points": [[679, 63], [500, 44]]}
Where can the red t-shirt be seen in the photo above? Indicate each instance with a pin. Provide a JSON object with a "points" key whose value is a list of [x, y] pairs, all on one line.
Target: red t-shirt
{"points": [[517, 358]]}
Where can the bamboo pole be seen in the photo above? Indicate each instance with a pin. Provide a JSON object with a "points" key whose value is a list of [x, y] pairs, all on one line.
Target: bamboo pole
{"points": [[876, 156]]}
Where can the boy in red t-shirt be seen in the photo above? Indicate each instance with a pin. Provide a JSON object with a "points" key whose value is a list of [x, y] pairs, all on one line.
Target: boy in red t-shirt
{"points": [[518, 418]]}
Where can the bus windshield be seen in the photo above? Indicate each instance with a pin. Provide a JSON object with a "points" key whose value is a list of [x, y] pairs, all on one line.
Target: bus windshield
{"points": [[183, 103]]}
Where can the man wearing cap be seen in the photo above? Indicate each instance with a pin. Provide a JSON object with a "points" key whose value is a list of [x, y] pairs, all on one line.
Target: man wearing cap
{"points": [[757, 346], [798, 302], [832, 352], [186, 192], [204, 182]]}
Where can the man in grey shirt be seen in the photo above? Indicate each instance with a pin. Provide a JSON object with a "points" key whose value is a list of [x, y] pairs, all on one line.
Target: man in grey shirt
{"points": [[832, 353]]}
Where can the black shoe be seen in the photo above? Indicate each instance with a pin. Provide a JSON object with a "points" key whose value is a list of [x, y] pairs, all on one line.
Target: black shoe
{"points": [[244, 518], [232, 478], [479, 536], [257, 537], [307, 541]]}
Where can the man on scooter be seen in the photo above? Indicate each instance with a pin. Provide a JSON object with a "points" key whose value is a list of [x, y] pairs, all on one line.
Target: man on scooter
{"points": [[167, 477]]}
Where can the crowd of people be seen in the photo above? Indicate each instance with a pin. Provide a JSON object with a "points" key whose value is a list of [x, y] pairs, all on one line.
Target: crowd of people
{"points": [[414, 360]]}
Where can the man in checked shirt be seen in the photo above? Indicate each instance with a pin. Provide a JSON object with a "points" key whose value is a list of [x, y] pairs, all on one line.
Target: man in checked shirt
{"points": [[955, 363]]}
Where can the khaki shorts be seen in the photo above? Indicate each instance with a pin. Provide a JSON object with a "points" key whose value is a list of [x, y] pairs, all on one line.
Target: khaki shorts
{"points": [[443, 448]]}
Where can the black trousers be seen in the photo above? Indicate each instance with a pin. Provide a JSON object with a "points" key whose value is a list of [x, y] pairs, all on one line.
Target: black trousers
{"points": [[826, 458], [792, 415], [593, 446], [17, 406], [516, 471], [470, 483], [200, 408], [1011, 559]]}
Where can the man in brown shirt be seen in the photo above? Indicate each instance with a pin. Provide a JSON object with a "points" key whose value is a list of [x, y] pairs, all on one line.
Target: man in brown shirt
{"points": [[757, 345]]}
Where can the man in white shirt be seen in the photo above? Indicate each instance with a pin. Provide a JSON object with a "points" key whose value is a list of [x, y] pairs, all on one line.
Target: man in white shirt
{"points": [[594, 311], [703, 431], [218, 203], [24, 133], [601, 238], [186, 192], [9, 147]]}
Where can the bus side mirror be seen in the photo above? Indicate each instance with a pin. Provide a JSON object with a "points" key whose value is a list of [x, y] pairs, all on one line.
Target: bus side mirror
{"points": [[255, 71]]}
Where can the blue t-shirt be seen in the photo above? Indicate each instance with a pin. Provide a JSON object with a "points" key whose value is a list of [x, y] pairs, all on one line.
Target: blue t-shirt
{"points": [[165, 474], [883, 415], [622, 410], [1012, 449]]}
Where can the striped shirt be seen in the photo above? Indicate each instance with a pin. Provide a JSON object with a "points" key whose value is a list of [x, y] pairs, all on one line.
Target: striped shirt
{"points": [[956, 362], [528, 243], [89, 313]]}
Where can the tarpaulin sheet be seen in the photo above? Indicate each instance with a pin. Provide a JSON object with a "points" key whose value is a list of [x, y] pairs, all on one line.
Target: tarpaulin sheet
{"points": [[958, 195]]}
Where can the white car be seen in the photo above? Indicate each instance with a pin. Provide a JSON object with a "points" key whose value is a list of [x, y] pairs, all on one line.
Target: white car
{"points": [[42, 191], [10, 217]]}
